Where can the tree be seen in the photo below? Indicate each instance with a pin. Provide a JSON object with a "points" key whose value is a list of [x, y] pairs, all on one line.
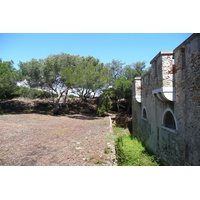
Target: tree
{"points": [[91, 77], [104, 102], [122, 83], [8, 79], [31, 72], [139, 67], [46, 74], [59, 73], [115, 68]]}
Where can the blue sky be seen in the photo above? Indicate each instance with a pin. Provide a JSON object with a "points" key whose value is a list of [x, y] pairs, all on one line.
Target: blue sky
{"points": [[127, 47]]}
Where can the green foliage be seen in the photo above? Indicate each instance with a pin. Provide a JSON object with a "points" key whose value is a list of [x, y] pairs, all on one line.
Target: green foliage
{"points": [[131, 152], [115, 69], [91, 76], [139, 68], [84, 75], [62, 72], [99, 162], [8, 79], [122, 87], [104, 103], [107, 150], [32, 93], [32, 72], [122, 77]]}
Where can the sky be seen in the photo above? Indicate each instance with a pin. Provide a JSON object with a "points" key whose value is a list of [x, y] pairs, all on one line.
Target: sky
{"points": [[126, 47]]}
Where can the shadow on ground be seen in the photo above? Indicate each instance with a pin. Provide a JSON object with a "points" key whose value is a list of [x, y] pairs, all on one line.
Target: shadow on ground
{"points": [[84, 116]]}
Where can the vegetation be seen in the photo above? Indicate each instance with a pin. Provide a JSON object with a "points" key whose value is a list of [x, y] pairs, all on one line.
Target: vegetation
{"points": [[104, 103], [84, 76], [8, 79], [120, 83], [32, 93], [59, 73], [130, 151]]}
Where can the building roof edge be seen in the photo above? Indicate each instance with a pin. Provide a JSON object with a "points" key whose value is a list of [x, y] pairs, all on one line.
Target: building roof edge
{"points": [[161, 53], [194, 35]]}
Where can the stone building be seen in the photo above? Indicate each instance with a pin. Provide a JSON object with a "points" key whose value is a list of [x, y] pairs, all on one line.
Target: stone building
{"points": [[166, 105]]}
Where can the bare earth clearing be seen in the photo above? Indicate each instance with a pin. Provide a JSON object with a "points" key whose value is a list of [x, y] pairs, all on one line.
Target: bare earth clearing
{"points": [[45, 140]]}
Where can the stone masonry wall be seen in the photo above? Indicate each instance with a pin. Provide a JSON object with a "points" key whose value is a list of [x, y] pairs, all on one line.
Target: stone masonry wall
{"points": [[167, 119]]}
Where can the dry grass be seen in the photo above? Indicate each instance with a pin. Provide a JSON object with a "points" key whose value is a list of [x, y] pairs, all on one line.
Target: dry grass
{"points": [[45, 140]]}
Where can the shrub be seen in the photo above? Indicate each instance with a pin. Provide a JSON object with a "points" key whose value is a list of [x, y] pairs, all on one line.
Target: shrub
{"points": [[104, 103], [32, 93]]}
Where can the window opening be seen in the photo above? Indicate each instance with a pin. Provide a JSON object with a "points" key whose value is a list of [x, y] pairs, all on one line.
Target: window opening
{"points": [[144, 114], [169, 120]]}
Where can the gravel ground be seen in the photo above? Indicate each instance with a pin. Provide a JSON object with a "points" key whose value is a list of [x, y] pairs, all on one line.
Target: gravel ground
{"points": [[45, 140]]}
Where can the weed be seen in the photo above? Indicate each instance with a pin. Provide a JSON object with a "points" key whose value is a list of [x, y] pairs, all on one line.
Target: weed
{"points": [[17, 164], [91, 158], [107, 150], [130, 151], [99, 162]]}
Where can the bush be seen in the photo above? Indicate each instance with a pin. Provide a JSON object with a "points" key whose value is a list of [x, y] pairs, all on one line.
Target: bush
{"points": [[131, 152], [104, 103], [32, 93]]}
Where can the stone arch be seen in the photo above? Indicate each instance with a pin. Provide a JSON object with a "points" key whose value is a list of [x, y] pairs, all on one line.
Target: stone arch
{"points": [[169, 119]]}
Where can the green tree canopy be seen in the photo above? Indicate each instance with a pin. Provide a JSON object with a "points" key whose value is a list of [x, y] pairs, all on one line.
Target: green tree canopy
{"points": [[61, 72], [122, 77], [8, 79], [91, 77]]}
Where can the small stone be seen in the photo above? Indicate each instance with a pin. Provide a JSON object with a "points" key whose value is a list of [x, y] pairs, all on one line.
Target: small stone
{"points": [[78, 148]]}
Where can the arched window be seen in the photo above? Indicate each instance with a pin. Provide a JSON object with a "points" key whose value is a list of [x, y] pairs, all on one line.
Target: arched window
{"points": [[144, 114], [169, 120]]}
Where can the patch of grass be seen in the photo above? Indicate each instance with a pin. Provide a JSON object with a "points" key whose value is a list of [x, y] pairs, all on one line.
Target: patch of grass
{"points": [[130, 151], [99, 162], [107, 150], [91, 158], [17, 164]]}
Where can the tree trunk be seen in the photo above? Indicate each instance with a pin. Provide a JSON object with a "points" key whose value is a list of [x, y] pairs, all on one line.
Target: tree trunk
{"points": [[65, 105], [65, 98], [117, 106], [57, 104]]}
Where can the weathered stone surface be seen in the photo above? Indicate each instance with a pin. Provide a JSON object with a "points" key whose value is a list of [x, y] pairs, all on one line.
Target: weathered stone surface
{"points": [[180, 70]]}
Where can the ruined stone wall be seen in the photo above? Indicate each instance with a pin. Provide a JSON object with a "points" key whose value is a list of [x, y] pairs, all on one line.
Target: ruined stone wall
{"points": [[167, 119]]}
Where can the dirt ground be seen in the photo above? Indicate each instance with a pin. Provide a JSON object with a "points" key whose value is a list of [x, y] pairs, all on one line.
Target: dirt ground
{"points": [[46, 140]]}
